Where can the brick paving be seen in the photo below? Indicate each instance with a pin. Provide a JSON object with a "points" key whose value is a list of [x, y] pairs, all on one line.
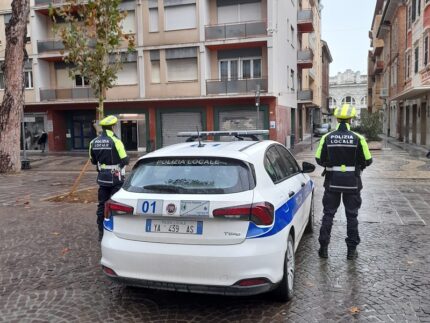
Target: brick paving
{"points": [[49, 258]]}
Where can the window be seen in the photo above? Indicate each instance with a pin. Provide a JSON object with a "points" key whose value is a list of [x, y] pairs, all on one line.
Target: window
{"points": [[416, 57], [426, 50], [292, 79], [363, 100], [409, 17], [190, 175], [155, 66], [348, 100], [279, 164], [128, 25], [153, 20], [240, 12], [1, 81], [408, 65], [331, 102], [240, 68], [184, 69], [127, 75], [28, 79], [394, 73], [414, 10], [178, 17], [292, 36], [80, 81], [291, 166]]}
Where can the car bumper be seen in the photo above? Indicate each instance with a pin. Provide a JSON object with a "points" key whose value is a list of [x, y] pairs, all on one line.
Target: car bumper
{"points": [[212, 269]]}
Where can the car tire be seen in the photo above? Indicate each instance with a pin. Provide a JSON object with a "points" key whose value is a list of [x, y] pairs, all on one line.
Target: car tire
{"points": [[285, 290], [310, 226]]}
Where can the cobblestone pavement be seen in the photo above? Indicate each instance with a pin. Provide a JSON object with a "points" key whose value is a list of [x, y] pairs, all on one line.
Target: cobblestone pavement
{"points": [[49, 258]]}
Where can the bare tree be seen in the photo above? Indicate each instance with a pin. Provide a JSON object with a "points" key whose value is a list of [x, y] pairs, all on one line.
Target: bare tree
{"points": [[12, 108]]}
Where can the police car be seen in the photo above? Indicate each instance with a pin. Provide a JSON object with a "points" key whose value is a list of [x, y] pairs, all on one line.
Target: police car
{"points": [[210, 217]]}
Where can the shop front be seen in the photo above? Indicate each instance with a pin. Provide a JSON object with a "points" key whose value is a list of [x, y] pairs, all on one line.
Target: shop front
{"points": [[34, 125]]}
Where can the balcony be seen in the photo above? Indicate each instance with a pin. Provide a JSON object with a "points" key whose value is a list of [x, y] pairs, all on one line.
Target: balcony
{"points": [[239, 30], [49, 46], [379, 67], [305, 58], [304, 96], [78, 93], [235, 86], [305, 21]]}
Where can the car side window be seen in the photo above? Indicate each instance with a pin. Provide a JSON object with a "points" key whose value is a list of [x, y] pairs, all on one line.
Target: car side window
{"points": [[289, 161], [277, 171]]}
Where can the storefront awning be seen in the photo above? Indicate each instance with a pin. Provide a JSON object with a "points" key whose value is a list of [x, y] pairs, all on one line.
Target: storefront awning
{"points": [[413, 93]]}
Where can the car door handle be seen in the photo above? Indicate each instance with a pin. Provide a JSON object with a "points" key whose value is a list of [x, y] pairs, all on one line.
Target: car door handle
{"points": [[303, 184], [291, 193]]}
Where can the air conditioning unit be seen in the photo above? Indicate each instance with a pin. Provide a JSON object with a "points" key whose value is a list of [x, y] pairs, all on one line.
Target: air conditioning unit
{"points": [[384, 93]]}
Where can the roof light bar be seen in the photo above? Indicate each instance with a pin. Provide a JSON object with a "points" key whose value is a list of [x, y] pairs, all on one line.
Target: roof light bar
{"points": [[223, 133], [240, 134]]}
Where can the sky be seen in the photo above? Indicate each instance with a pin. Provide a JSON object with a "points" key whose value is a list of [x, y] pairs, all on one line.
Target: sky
{"points": [[345, 27]]}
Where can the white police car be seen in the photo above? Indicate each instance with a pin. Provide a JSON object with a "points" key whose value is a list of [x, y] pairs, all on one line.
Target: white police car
{"points": [[210, 217]]}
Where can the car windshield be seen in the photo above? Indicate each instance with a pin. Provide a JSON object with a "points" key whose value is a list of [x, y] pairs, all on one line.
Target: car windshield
{"points": [[190, 176]]}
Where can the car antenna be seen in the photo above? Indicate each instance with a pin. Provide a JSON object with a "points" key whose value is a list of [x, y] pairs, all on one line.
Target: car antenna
{"points": [[198, 137]]}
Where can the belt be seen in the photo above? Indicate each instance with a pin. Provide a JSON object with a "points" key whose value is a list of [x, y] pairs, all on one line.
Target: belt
{"points": [[111, 167], [341, 169]]}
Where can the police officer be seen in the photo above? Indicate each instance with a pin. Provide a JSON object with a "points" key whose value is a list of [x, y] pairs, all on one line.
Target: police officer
{"points": [[108, 153], [344, 154]]}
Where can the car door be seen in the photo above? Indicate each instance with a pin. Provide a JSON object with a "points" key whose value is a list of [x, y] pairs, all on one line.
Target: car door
{"points": [[294, 171], [287, 183]]}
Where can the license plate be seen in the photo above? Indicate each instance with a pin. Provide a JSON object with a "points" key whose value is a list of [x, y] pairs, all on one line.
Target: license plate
{"points": [[174, 226], [149, 207]]}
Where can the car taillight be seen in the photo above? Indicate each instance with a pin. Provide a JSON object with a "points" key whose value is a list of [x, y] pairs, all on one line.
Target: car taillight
{"points": [[115, 208], [261, 213], [252, 282]]}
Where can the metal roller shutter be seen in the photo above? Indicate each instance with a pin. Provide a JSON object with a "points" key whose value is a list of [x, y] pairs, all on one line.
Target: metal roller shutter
{"points": [[240, 120], [172, 123]]}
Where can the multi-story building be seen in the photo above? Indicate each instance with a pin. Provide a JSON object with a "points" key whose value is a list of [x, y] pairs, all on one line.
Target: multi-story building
{"points": [[348, 87], [310, 74], [405, 91], [198, 64], [326, 59]]}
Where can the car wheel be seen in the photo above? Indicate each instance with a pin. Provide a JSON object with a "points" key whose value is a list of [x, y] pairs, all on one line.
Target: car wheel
{"points": [[285, 290], [310, 226]]}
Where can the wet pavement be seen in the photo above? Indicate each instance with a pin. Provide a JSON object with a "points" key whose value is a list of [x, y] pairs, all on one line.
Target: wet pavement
{"points": [[49, 257]]}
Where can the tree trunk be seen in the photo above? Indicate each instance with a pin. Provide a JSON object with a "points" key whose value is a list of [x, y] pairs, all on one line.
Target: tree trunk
{"points": [[11, 110]]}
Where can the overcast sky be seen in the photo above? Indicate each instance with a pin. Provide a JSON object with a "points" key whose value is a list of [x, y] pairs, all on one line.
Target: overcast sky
{"points": [[345, 26]]}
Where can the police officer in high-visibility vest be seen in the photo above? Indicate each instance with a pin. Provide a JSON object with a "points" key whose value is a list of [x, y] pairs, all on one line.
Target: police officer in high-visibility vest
{"points": [[108, 153], [344, 154]]}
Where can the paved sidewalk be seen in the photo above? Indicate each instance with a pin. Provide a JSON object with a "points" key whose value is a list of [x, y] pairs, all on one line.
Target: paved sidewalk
{"points": [[50, 272]]}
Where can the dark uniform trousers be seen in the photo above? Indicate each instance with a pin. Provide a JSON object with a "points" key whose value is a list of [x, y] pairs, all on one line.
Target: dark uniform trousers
{"points": [[331, 202], [104, 194]]}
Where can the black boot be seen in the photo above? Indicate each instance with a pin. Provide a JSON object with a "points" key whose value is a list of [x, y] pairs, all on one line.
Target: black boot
{"points": [[352, 253], [323, 252], [100, 235]]}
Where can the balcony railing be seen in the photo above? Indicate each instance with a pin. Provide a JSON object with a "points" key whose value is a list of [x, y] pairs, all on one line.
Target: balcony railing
{"points": [[305, 21], [77, 93], [49, 45], [305, 58], [235, 86], [239, 30], [305, 95]]}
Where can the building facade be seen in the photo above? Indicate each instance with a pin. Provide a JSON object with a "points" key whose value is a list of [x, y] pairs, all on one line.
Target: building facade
{"points": [[403, 33], [198, 64], [348, 87]]}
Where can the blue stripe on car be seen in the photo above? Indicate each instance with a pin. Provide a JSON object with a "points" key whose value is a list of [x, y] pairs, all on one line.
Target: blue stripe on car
{"points": [[283, 215]]}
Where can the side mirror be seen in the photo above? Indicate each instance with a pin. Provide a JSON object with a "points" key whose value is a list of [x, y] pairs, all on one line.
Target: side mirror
{"points": [[307, 167]]}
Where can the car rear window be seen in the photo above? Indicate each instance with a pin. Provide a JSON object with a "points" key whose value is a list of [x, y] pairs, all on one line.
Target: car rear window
{"points": [[190, 176]]}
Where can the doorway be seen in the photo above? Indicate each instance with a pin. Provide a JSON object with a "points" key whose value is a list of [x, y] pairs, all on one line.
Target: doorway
{"points": [[129, 134]]}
